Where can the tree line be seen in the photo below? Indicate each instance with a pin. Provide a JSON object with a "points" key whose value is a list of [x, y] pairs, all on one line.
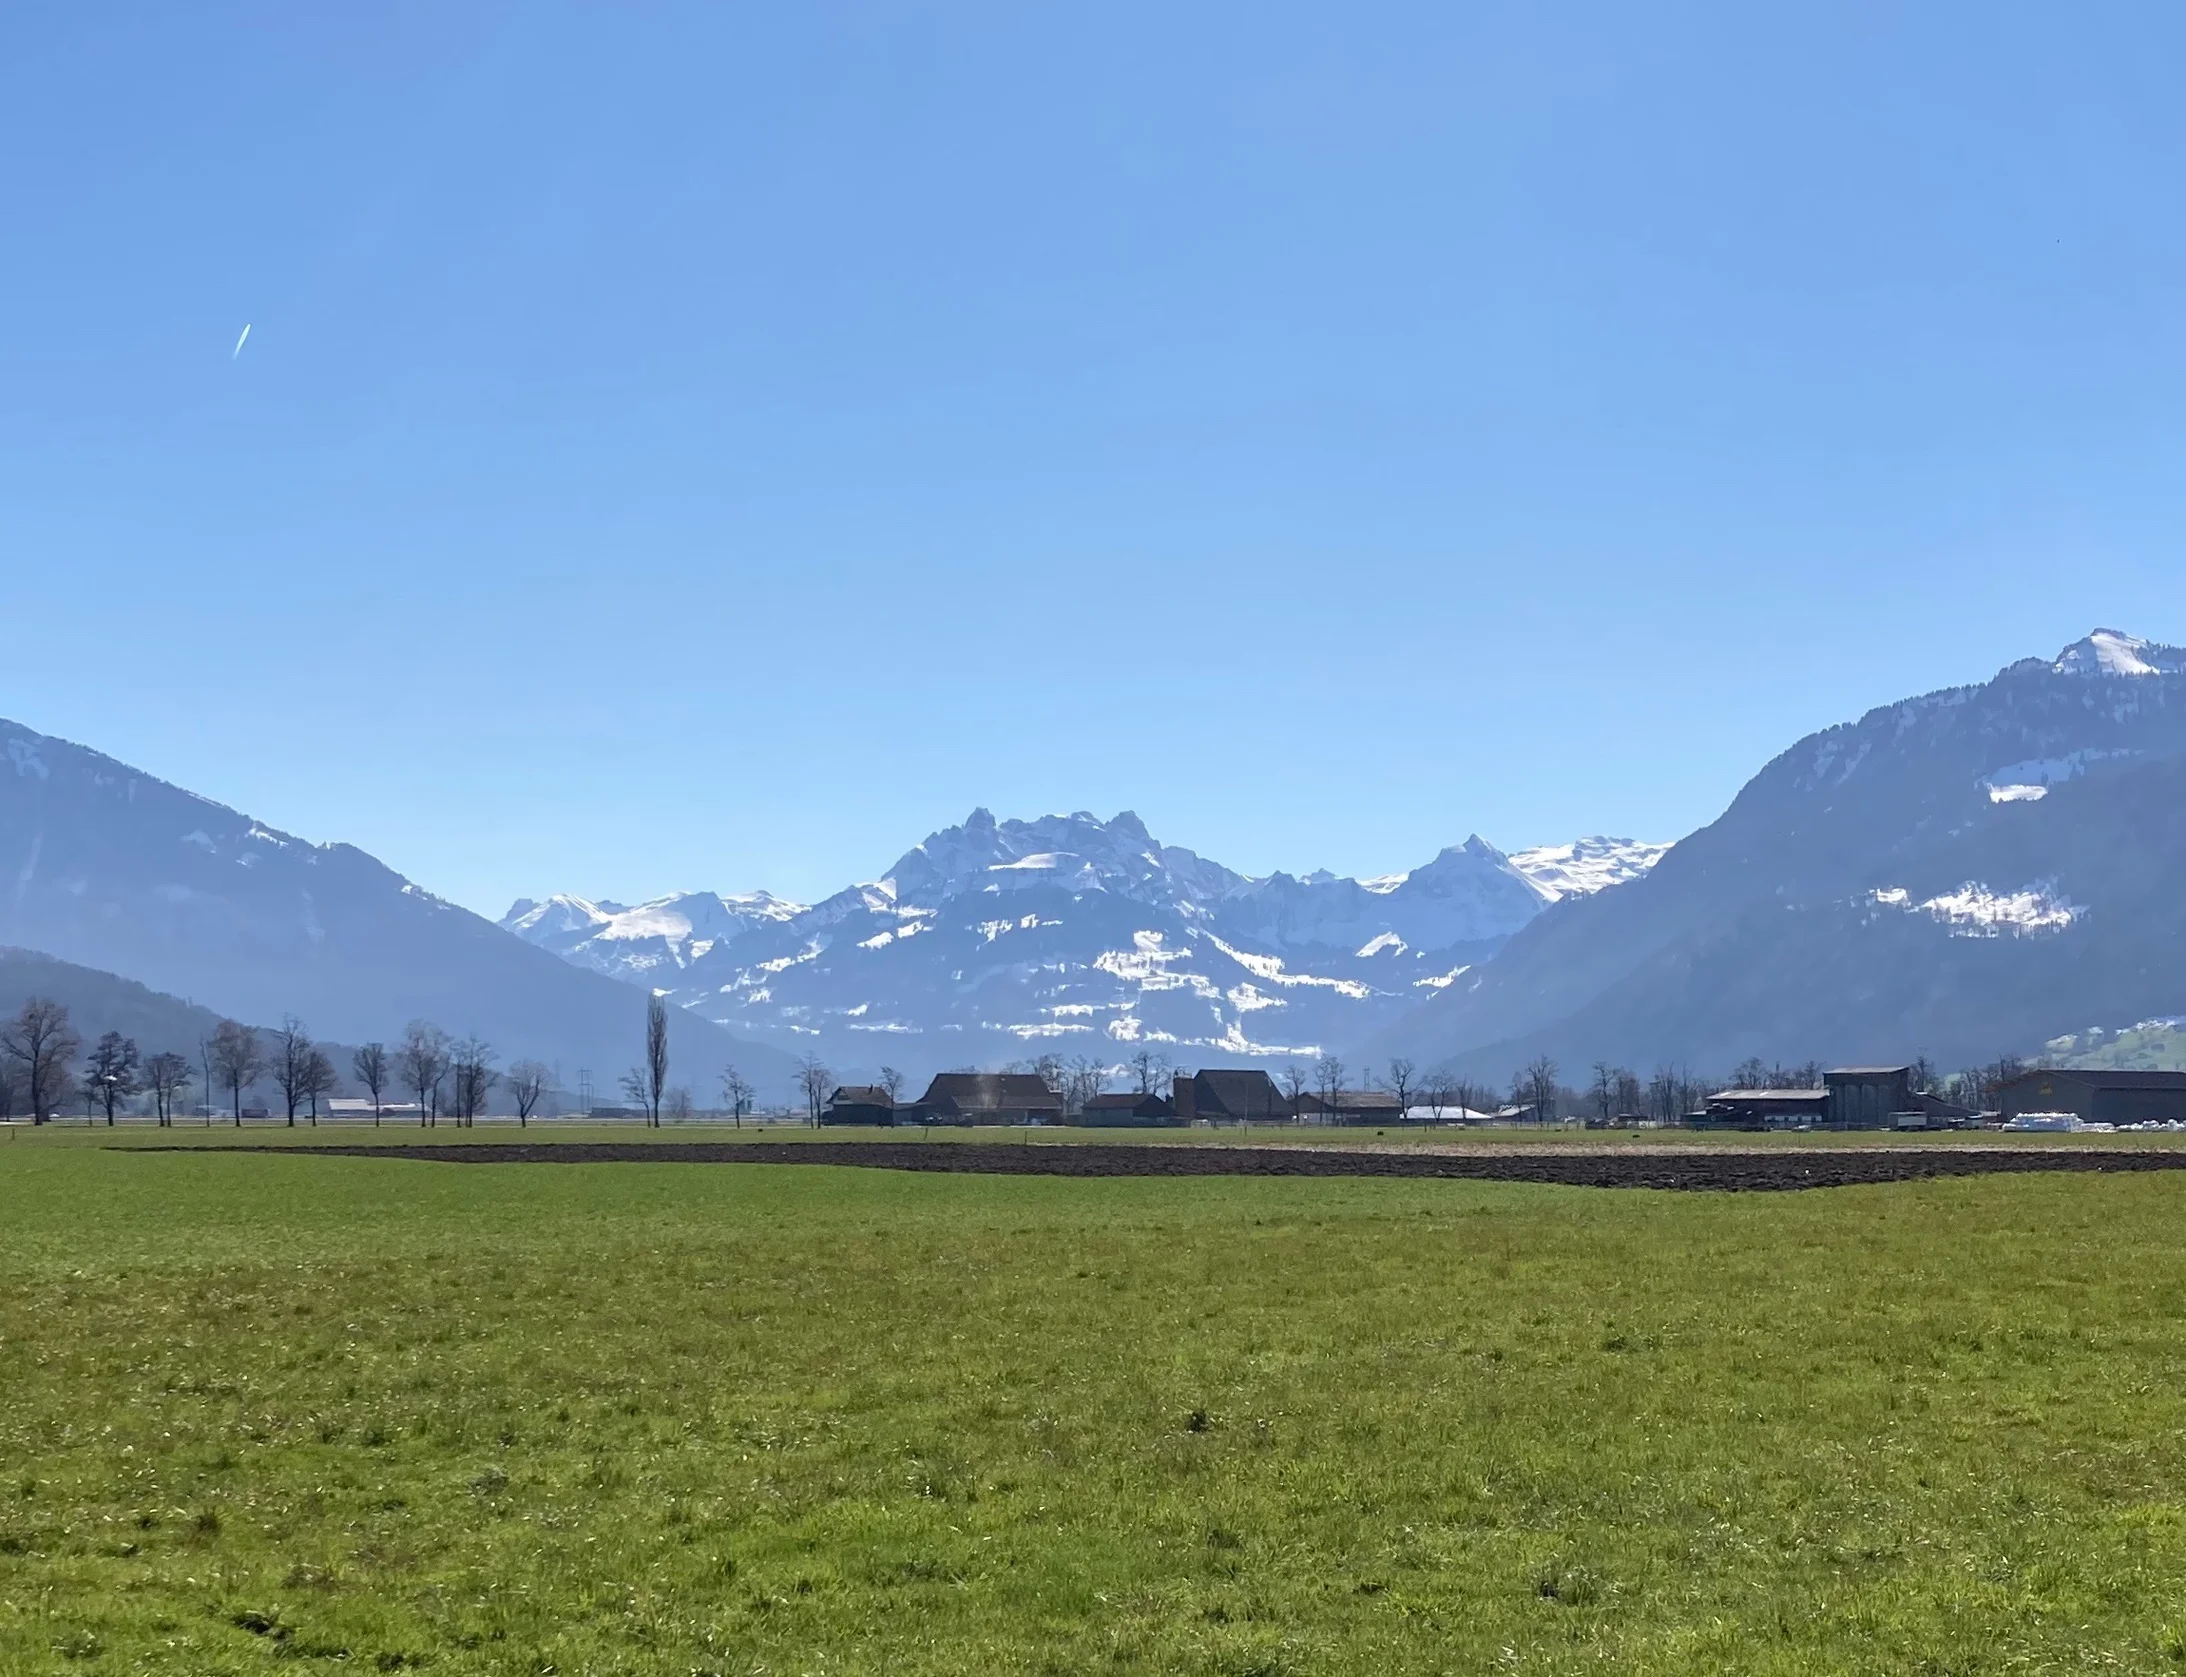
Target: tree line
{"points": [[40, 1073], [45, 1064]]}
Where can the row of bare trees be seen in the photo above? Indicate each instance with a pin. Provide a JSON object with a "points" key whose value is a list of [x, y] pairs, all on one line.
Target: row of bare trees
{"points": [[39, 1045]]}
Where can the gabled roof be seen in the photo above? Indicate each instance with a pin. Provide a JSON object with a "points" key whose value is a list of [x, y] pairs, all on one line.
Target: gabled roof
{"points": [[861, 1094], [989, 1089], [1127, 1102], [1351, 1100]]}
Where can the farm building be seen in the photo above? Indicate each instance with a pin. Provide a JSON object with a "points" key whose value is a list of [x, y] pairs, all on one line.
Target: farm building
{"points": [[859, 1103], [1764, 1109], [1351, 1106], [1867, 1097], [985, 1097], [2097, 1097], [1228, 1097], [1127, 1111]]}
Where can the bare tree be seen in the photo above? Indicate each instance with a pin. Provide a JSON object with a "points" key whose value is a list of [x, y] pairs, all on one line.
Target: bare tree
{"points": [[40, 1042], [471, 1076], [237, 1061], [1048, 1068], [166, 1075], [527, 1082], [1662, 1092], [110, 1074], [814, 1081], [1085, 1078], [1434, 1089], [422, 1061], [1294, 1084], [1400, 1084], [1152, 1069], [319, 1079], [679, 1105], [1328, 1077], [1603, 1090], [291, 1063], [892, 1080], [1538, 1089], [737, 1091], [1631, 1098], [369, 1063]]}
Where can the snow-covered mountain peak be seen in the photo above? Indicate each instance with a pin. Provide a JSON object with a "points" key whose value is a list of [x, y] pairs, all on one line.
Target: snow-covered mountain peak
{"points": [[625, 941], [1586, 865], [1078, 851], [561, 915], [2111, 652]]}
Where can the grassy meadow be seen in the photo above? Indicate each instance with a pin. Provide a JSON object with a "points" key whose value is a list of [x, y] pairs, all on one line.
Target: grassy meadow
{"points": [[271, 1410]]}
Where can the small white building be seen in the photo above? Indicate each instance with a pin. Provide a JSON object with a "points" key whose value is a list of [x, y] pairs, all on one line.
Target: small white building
{"points": [[351, 1109]]}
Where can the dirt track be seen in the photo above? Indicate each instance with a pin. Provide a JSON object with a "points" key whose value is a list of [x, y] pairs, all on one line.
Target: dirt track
{"points": [[1720, 1170]]}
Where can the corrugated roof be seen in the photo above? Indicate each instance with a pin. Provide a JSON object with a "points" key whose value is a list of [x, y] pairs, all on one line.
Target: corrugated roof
{"points": [[2107, 1079]]}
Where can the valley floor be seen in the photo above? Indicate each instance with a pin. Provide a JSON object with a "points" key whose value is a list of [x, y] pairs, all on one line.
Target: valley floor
{"points": [[650, 1418]]}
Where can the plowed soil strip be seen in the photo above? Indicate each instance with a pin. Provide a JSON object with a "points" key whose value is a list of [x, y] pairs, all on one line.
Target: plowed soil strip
{"points": [[1722, 1171]]}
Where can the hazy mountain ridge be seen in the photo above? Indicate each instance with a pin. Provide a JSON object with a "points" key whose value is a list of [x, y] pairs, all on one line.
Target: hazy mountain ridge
{"points": [[1974, 869], [115, 870]]}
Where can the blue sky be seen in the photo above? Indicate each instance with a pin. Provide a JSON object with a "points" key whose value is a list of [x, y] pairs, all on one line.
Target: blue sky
{"points": [[695, 445]]}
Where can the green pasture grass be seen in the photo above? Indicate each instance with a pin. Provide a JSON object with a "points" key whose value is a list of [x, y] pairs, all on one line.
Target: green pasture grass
{"points": [[268, 1411]]}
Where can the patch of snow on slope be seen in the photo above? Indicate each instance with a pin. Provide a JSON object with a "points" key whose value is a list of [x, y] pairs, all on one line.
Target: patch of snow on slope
{"points": [[1270, 967], [2022, 783], [1585, 866], [1973, 910], [1442, 980]]}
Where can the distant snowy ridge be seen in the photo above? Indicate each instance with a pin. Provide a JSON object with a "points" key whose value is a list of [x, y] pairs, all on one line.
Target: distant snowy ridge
{"points": [[993, 938], [1585, 866], [637, 943]]}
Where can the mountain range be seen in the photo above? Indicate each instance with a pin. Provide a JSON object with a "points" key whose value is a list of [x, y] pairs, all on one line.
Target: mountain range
{"points": [[998, 940], [112, 869], [1978, 870]]}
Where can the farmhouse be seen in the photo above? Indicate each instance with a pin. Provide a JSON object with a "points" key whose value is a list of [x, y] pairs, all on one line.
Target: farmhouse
{"points": [[1127, 1111], [859, 1103], [985, 1097], [1228, 1097], [2097, 1097]]}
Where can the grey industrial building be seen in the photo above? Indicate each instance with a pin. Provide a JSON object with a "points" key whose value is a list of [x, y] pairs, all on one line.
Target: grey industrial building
{"points": [[2097, 1097]]}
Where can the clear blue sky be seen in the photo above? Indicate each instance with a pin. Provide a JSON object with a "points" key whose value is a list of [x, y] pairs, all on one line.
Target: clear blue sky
{"points": [[701, 445]]}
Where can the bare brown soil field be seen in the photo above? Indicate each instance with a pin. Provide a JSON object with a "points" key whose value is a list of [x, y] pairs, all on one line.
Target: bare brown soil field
{"points": [[1718, 1169]]}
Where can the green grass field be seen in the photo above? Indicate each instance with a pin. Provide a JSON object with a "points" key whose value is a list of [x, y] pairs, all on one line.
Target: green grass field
{"points": [[380, 1415]]}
